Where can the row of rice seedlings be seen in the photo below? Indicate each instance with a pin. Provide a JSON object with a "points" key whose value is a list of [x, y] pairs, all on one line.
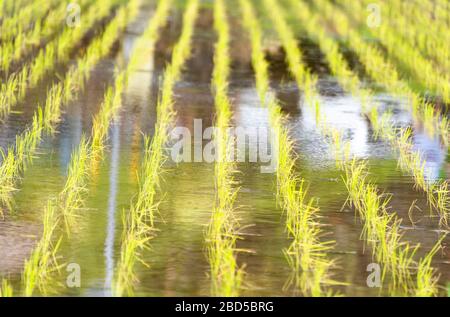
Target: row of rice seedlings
{"points": [[307, 253], [42, 266], [18, 156], [383, 72], [23, 18], [110, 107], [422, 69], [226, 276], [381, 230], [139, 220], [71, 198], [25, 41], [430, 36], [57, 51], [411, 161], [400, 139]]}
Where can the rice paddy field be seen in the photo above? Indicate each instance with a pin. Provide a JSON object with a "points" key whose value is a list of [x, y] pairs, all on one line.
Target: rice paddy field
{"points": [[224, 148]]}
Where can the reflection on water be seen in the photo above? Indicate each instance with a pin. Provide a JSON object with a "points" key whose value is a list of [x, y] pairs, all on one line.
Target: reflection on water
{"points": [[342, 112], [433, 153], [112, 205]]}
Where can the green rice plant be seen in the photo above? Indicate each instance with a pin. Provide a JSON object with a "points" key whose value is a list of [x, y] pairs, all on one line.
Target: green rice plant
{"points": [[17, 157], [42, 264], [6, 289], [134, 241], [139, 223], [439, 198], [412, 162], [101, 123], [307, 253], [382, 232], [226, 276], [426, 275], [10, 8], [71, 197]]}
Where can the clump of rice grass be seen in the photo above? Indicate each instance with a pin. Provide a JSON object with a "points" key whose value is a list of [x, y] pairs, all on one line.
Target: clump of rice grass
{"points": [[16, 159], [6, 289], [383, 232], [427, 277], [101, 123], [307, 253], [71, 197], [226, 276], [42, 264], [412, 161], [140, 220], [381, 229], [144, 46]]}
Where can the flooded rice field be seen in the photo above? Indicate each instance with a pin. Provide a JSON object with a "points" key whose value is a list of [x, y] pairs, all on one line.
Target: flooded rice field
{"points": [[224, 148]]}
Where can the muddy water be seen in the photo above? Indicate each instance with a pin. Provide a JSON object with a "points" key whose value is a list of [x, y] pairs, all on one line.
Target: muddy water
{"points": [[177, 262]]}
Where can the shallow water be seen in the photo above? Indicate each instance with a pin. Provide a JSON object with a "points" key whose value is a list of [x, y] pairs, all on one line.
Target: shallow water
{"points": [[177, 260]]}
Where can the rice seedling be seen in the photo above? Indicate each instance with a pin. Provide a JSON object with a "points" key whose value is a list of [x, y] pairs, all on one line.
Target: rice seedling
{"points": [[42, 263], [17, 158], [140, 218], [426, 274], [381, 229], [226, 276], [71, 197], [307, 253], [412, 162], [6, 289]]}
